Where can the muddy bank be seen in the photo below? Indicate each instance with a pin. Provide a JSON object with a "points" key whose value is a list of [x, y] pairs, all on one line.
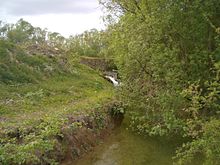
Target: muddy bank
{"points": [[84, 132], [63, 138]]}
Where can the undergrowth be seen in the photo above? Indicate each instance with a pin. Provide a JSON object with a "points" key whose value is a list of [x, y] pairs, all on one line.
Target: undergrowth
{"points": [[37, 94]]}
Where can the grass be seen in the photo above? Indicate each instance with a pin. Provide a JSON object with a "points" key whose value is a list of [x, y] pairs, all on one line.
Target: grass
{"points": [[70, 92], [32, 113], [36, 113]]}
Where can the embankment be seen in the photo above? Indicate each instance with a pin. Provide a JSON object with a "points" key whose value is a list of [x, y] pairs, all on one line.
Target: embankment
{"points": [[84, 132], [50, 110]]}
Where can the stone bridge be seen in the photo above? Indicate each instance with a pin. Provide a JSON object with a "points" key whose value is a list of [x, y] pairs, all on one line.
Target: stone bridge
{"points": [[106, 66]]}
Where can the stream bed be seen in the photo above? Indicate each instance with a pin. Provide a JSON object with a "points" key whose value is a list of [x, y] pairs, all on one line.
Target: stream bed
{"points": [[124, 147]]}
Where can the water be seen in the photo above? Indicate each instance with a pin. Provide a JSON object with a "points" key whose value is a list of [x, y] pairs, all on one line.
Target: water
{"points": [[113, 80], [124, 147]]}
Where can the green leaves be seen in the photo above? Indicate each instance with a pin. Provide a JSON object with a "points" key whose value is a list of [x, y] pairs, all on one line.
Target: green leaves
{"points": [[117, 109], [90, 43], [168, 57]]}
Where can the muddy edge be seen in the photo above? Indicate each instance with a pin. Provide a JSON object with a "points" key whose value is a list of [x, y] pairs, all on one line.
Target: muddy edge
{"points": [[83, 132]]}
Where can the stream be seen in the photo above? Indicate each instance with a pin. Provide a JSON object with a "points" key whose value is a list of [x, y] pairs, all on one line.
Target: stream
{"points": [[124, 147]]}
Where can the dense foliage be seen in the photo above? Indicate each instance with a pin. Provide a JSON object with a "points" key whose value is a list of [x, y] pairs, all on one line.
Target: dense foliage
{"points": [[168, 55]]}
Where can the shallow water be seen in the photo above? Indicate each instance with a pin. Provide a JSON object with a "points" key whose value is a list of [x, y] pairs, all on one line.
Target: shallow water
{"points": [[124, 147]]}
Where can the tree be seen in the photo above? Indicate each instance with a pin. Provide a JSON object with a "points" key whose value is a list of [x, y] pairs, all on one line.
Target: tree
{"points": [[164, 48], [20, 32], [39, 35], [90, 43]]}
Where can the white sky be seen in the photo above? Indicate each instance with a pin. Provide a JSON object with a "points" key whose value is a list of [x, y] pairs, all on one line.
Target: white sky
{"points": [[67, 17]]}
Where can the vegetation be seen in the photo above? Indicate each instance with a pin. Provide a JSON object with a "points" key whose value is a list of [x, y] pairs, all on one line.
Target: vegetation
{"points": [[41, 88], [91, 43], [168, 54], [168, 58]]}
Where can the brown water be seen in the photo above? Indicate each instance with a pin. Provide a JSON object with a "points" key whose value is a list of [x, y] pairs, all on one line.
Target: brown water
{"points": [[124, 147]]}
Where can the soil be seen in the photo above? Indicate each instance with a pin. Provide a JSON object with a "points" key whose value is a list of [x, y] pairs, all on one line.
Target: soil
{"points": [[89, 134]]}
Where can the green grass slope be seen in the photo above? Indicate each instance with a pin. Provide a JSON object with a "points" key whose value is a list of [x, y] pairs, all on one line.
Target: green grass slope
{"points": [[17, 65], [37, 94]]}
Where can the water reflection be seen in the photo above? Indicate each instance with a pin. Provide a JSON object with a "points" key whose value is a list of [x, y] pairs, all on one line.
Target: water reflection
{"points": [[126, 148]]}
